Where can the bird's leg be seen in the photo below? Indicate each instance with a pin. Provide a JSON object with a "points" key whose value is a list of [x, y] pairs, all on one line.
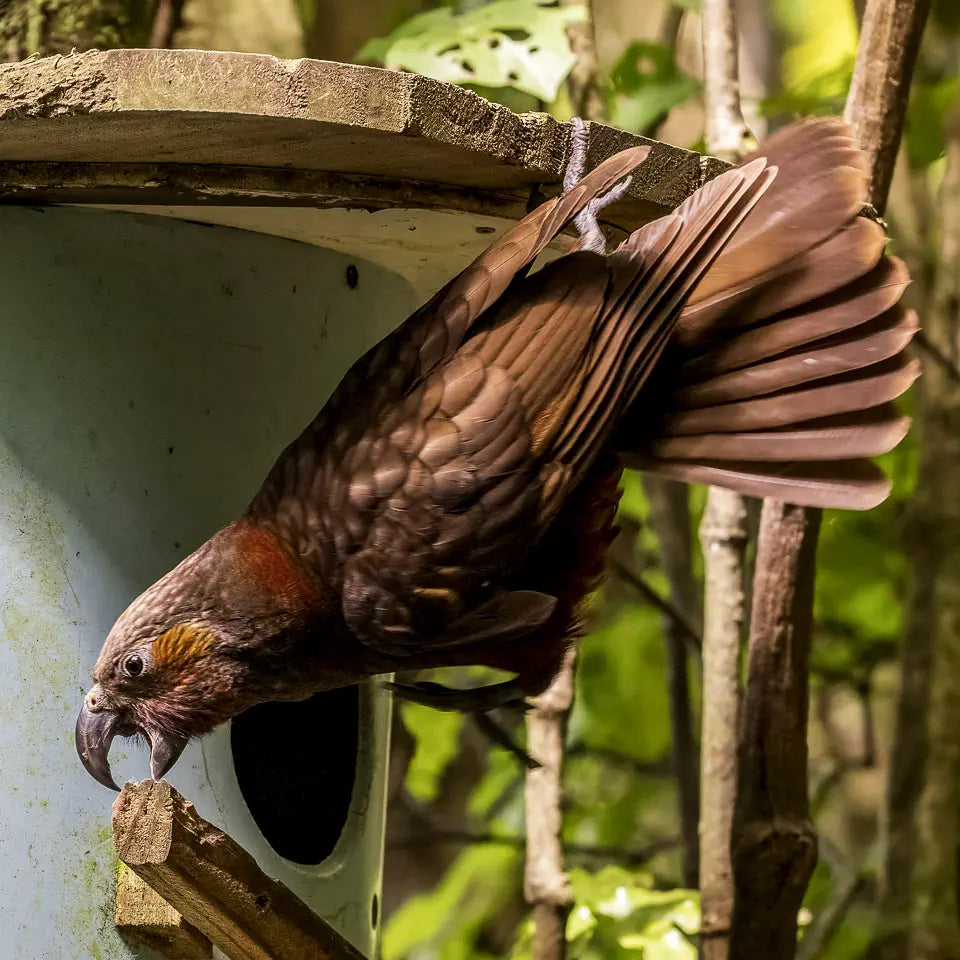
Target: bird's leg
{"points": [[586, 222]]}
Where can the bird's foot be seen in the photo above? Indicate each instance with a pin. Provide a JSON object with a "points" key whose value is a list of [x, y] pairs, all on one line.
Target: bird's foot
{"points": [[586, 222], [510, 693]]}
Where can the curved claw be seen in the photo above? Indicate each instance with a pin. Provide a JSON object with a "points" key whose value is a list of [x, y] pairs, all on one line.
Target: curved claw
{"points": [[95, 732]]}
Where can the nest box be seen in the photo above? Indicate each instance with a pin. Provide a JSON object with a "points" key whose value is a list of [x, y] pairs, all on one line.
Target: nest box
{"points": [[194, 247]]}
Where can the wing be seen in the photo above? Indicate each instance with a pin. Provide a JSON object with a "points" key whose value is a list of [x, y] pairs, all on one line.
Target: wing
{"points": [[294, 496], [454, 488], [450, 489]]}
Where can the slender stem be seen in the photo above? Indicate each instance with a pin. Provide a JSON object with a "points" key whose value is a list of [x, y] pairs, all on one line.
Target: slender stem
{"points": [[670, 518], [723, 536], [166, 21], [678, 618], [545, 882], [726, 132]]}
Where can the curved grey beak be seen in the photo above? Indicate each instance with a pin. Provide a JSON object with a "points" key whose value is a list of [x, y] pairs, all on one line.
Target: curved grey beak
{"points": [[95, 732]]}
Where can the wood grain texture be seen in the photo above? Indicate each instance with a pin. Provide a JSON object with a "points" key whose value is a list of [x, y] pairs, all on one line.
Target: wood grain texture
{"points": [[214, 883], [249, 110], [142, 913]]}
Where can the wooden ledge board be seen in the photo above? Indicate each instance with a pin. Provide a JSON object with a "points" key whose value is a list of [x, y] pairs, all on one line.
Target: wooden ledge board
{"points": [[158, 124]]}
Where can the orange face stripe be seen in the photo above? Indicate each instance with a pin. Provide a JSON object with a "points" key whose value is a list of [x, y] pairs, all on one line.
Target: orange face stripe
{"points": [[180, 645]]}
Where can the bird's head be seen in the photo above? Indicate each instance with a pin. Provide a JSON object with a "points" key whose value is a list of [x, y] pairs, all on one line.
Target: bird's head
{"points": [[218, 634]]}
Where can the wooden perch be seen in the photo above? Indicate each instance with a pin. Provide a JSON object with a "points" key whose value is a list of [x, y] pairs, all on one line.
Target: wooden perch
{"points": [[214, 883], [141, 912]]}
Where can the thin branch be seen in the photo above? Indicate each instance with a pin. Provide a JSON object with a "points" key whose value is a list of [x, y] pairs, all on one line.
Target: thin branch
{"points": [[877, 100], [670, 518], [686, 628], [586, 97], [918, 899], [649, 768], [545, 882], [723, 536], [502, 738], [726, 131], [167, 19], [935, 353], [816, 938], [669, 37]]}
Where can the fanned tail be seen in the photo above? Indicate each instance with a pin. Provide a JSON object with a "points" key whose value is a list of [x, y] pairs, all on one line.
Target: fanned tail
{"points": [[781, 373]]}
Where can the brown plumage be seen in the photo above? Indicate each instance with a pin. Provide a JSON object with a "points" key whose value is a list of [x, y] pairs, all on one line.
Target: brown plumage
{"points": [[453, 500]]}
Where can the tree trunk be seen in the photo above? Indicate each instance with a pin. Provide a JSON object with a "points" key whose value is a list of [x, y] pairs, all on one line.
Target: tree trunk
{"points": [[60, 26], [935, 548]]}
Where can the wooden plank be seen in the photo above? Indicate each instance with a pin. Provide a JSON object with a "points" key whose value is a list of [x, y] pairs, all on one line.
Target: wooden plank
{"points": [[248, 110], [214, 883], [142, 913]]}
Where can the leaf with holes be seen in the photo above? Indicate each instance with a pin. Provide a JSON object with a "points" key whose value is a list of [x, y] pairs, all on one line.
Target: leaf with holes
{"points": [[508, 43], [646, 84]]}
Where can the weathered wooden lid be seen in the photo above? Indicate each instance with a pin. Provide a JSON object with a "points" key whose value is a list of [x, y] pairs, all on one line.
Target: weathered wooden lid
{"points": [[222, 137]]}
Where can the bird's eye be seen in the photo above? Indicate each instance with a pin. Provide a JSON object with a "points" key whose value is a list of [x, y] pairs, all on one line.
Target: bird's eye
{"points": [[133, 665]]}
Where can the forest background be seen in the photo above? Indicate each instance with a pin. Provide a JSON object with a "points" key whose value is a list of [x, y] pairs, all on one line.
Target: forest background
{"points": [[884, 720]]}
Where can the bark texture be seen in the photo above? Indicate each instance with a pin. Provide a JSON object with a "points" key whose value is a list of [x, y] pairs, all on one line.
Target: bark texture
{"points": [[61, 26], [877, 101], [774, 846], [774, 840], [545, 882], [723, 536], [726, 133]]}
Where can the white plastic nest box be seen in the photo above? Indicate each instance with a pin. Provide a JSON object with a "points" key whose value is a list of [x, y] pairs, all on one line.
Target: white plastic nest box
{"points": [[194, 247]]}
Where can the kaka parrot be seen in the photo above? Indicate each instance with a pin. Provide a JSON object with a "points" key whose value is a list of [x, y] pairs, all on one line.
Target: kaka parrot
{"points": [[452, 501]]}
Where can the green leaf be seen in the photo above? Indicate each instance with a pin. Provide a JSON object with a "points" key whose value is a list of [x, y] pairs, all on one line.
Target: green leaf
{"points": [[646, 84], [930, 104], [437, 735], [508, 43], [617, 913], [443, 924]]}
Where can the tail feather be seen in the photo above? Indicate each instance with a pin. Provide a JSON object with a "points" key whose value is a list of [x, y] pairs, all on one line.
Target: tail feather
{"points": [[780, 376], [871, 295], [844, 484], [886, 337], [831, 265]]}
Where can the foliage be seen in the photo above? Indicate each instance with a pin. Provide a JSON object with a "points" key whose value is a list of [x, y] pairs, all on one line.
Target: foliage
{"points": [[443, 924], [437, 740], [619, 916], [508, 43], [617, 797], [645, 84], [818, 59]]}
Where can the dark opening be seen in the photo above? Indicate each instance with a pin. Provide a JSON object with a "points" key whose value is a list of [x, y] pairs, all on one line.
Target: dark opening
{"points": [[296, 763]]}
